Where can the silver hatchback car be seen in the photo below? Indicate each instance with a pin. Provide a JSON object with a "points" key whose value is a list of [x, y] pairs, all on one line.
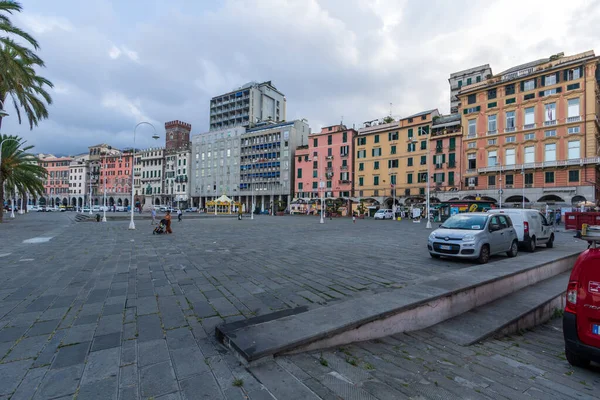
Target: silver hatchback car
{"points": [[474, 236]]}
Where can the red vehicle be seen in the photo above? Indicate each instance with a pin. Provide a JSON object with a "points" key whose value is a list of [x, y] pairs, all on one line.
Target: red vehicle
{"points": [[581, 320]]}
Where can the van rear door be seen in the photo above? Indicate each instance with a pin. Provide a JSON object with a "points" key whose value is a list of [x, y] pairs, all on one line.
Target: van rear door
{"points": [[588, 299]]}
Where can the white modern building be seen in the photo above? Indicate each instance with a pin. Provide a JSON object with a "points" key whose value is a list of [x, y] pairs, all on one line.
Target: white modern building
{"points": [[463, 78], [267, 163], [215, 165], [252, 103]]}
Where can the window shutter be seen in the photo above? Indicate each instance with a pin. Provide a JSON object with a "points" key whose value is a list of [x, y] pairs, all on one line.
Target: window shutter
{"points": [[478, 108], [581, 71], [443, 158], [476, 181], [465, 111], [522, 86], [466, 182], [433, 162], [443, 176], [559, 89], [541, 94], [557, 77], [372, 152], [542, 81], [566, 75]]}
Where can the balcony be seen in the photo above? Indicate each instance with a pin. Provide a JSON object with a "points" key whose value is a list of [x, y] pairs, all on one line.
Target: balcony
{"points": [[344, 155], [439, 166], [329, 170], [471, 136], [344, 168], [492, 132], [451, 164], [329, 158], [545, 164], [508, 130], [550, 123], [439, 149], [471, 171], [529, 126], [573, 119]]}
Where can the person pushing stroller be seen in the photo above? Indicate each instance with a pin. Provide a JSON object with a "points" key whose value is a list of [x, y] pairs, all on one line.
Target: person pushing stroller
{"points": [[160, 228]]}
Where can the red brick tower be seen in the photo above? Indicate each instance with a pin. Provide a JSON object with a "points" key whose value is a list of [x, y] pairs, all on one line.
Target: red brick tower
{"points": [[177, 136]]}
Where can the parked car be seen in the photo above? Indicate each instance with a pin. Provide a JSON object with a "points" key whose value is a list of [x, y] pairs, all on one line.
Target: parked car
{"points": [[384, 214], [191, 209], [96, 209], [476, 235], [52, 209], [85, 209], [581, 325], [532, 227], [121, 208], [32, 208]]}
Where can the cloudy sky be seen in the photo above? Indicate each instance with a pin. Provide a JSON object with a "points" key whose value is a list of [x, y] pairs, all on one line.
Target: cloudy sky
{"points": [[115, 63]]}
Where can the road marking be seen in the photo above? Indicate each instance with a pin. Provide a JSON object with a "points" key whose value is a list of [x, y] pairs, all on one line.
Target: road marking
{"points": [[5, 254], [39, 239], [26, 259]]}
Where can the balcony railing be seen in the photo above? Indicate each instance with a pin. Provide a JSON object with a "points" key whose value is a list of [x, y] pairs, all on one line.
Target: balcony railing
{"points": [[471, 171], [344, 168], [508, 130], [529, 126], [492, 132], [550, 123], [471, 136], [439, 149], [451, 164], [574, 119], [545, 164]]}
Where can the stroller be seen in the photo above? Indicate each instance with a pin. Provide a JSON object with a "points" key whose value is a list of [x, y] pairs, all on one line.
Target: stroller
{"points": [[160, 228]]}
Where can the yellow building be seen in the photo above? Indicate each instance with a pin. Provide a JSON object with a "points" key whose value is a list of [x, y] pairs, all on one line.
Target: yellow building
{"points": [[392, 158]]}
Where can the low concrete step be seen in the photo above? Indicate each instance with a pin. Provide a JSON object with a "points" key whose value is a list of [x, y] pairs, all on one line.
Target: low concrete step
{"points": [[524, 309], [412, 308]]}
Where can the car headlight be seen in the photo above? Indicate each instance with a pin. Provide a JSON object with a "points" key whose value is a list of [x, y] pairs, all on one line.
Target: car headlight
{"points": [[468, 238], [431, 236]]}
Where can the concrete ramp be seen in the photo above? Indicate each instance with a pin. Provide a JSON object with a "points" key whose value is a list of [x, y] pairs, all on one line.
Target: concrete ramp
{"points": [[415, 307]]}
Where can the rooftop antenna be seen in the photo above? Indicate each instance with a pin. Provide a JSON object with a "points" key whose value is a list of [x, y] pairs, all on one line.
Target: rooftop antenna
{"points": [[390, 109], [342, 120]]}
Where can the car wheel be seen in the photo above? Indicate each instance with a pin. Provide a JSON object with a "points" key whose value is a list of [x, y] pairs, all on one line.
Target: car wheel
{"points": [[514, 249], [531, 245], [576, 360], [550, 243], [484, 254], [434, 255]]}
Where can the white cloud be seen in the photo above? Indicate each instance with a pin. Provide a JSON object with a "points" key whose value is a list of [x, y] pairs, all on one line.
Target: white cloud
{"points": [[116, 52], [40, 24]]}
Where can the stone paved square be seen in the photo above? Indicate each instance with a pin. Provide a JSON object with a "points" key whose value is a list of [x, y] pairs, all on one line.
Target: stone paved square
{"points": [[99, 311]]}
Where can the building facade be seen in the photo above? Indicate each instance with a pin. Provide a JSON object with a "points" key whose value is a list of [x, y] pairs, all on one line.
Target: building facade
{"points": [[392, 160], [56, 186], [149, 164], [463, 78], [96, 154], [115, 179], [215, 165], [177, 164], [446, 153], [267, 163], [328, 157], [78, 180], [252, 103], [532, 131]]}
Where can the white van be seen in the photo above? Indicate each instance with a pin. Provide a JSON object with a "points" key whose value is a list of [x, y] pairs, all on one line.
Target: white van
{"points": [[532, 227]]}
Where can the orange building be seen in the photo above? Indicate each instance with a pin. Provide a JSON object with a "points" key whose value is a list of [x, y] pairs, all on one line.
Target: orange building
{"points": [[115, 169], [446, 153], [532, 131]]}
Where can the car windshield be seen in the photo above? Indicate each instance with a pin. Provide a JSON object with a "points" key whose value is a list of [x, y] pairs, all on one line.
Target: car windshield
{"points": [[468, 222]]}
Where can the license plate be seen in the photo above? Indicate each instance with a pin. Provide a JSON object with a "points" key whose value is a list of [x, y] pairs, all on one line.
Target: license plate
{"points": [[445, 247], [596, 329]]}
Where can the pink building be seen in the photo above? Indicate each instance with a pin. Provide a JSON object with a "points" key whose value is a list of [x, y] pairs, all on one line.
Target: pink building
{"points": [[328, 157], [56, 186]]}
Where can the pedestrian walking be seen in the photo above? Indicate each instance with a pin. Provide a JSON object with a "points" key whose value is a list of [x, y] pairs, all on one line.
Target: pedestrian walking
{"points": [[168, 219], [354, 218], [153, 212], [179, 215]]}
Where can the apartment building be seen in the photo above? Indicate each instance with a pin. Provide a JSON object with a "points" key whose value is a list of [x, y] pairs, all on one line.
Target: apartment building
{"points": [[177, 163], [79, 180], [149, 164], [215, 168], [252, 103], [532, 131], [446, 153], [267, 162], [96, 154], [464, 78], [56, 185], [392, 160], [328, 157], [115, 179]]}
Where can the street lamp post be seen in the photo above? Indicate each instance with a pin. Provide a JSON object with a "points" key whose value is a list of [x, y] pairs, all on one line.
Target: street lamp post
{"points": [[14, 202], [252, 184], [155, 136], [90, 195], [216, 188], [500, 190]]}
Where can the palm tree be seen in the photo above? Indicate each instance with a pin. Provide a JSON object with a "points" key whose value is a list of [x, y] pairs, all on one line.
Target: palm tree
{"points": [[18, 77], [20, 169]]}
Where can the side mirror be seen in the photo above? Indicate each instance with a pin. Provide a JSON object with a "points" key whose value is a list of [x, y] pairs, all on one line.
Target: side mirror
{"points": [[494, 227], [440, 225]]}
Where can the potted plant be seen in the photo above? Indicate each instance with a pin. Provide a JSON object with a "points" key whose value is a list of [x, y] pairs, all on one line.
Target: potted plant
{"points": [[280, 204]]}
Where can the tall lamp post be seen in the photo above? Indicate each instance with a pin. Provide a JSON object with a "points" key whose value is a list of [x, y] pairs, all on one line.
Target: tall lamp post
{"points": [[103, 167], [90, 195], [322, 187], [155, 136]]}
